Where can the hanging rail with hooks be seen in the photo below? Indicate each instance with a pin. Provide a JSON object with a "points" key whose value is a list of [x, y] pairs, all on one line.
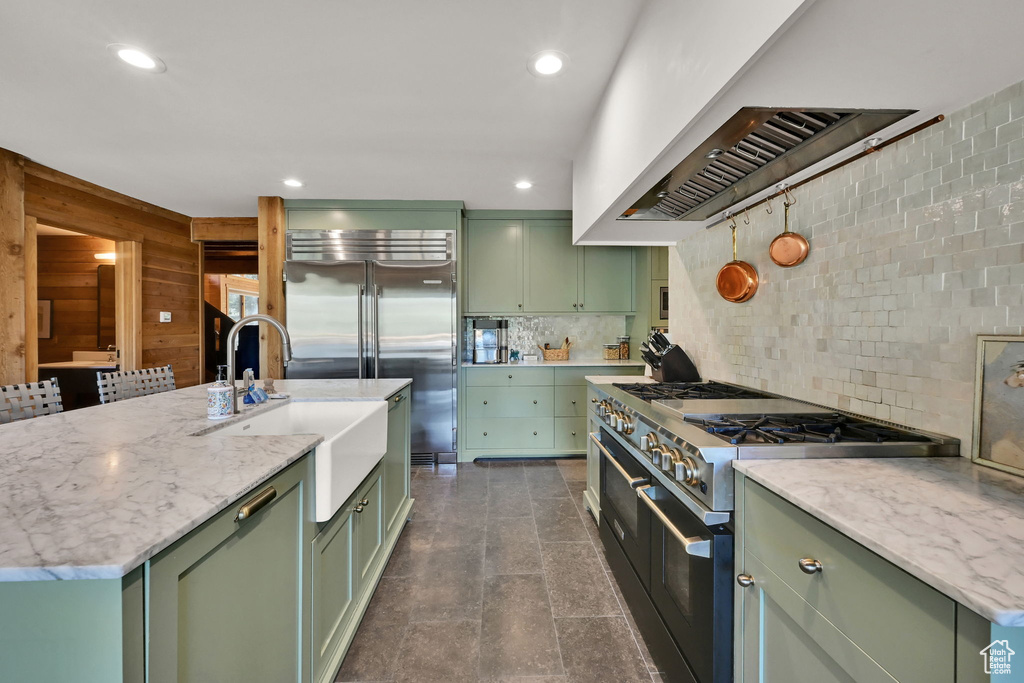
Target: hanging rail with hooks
{"points": [[788, 190]]}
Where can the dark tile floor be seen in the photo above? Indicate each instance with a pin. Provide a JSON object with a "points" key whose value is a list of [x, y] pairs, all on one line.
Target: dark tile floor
{"points": [[500, 576]]}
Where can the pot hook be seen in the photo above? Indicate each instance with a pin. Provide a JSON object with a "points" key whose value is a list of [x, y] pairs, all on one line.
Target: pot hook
{"points": [[746, 216], [790, 198], [768, 207]]}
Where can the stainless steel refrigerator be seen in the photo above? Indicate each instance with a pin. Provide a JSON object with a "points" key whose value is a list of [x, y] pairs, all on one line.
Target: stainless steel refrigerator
{"points": [[377, 304]]}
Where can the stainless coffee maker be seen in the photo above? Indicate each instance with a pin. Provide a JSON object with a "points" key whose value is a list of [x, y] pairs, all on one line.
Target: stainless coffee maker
{"points": [[490, 341]]}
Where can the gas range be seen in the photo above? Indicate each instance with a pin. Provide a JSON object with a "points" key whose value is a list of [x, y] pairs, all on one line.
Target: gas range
{"points": [[689, 433]]}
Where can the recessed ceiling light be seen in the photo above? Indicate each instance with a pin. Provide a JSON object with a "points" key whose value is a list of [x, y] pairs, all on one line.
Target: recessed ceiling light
{"points": [[524, 185], [130, 54], [292, 182], [547, 63]]}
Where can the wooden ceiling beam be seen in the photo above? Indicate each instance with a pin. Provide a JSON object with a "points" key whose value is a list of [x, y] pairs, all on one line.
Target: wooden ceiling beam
{"points": [[233, 229]]}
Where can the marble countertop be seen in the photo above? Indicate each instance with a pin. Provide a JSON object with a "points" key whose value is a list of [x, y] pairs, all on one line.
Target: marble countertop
{"points": [[571, 363], [94, 493], [619, 379], [78, 364], [957, 526]]}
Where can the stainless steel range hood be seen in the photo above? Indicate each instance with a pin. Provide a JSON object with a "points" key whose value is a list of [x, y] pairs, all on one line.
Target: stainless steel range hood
{"points": [[752, 151]]}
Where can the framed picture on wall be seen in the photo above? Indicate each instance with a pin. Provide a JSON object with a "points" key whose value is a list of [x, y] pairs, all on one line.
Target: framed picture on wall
{"points": [[45, 312], [999, 404]]}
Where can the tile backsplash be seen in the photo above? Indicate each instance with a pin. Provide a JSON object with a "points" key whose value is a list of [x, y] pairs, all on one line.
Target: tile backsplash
{"points": [[588, 333], [915, 250]]}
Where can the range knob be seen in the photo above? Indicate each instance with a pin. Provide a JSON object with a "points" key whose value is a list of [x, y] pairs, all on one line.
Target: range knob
{"points": [[669, 459], [602, 408], [687, 471], [657, 454], [626, 425], [648, 441]]}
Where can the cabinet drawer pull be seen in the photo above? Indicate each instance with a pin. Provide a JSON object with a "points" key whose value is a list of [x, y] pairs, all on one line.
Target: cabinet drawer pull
{"points": [[535, 433], [485, 433], [485, 402], [510, 376], [574, 402], [364, 502], [534, 401], [358, 508], [255, 503], [574, 433], [398, 398], [808, 565], [745, 580]]}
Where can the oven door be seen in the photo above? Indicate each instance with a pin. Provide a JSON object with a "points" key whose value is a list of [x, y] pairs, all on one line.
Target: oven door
{"points": [[691, 571], [621, 510]]}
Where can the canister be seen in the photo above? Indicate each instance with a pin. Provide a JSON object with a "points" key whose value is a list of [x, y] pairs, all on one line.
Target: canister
{"points": [[611, 352], [624, 347]]}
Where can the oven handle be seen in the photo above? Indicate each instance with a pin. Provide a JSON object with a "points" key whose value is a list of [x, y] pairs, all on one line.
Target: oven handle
{"points": [[695, 545], [633, 481]]}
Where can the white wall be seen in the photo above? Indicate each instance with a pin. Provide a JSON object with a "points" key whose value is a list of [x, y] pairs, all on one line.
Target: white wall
{"points": [[915, 250], [678, 59]]}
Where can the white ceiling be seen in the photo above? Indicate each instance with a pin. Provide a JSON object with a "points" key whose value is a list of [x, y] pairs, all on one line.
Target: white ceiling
{"points": [[361, 99]]}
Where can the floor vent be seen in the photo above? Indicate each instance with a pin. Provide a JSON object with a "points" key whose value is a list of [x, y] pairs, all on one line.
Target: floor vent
{"points": [[423, 459]]}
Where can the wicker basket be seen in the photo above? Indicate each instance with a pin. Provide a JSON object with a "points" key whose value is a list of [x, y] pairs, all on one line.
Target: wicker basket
{"points": [[556, 354]]}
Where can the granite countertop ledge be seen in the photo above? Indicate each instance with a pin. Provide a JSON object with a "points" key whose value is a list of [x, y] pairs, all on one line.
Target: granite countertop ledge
{"points": [[571, 363], [94, 493], [956, 526]]}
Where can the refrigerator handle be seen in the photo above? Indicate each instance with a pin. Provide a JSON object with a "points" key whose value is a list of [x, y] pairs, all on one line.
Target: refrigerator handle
{"points": [[359, 329], [376, 332]]}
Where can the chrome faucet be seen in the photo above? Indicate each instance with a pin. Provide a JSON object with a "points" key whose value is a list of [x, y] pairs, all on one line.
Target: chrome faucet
{"points": [[286, 349]]}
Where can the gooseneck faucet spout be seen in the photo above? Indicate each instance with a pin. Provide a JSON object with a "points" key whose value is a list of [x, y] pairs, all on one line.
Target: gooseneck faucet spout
{"points": [[286, 349]]}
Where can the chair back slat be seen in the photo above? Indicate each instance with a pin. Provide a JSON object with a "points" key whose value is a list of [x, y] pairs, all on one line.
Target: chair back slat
{"points": [[32, 399], [118, 386]]}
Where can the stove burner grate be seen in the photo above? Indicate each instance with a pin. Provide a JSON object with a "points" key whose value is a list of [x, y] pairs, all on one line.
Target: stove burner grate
{"points": [[687, 390], [784, 429]]}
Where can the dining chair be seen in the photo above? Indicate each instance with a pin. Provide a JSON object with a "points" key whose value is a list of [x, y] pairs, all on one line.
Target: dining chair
{"points": [[125, 384], [32, 399]]}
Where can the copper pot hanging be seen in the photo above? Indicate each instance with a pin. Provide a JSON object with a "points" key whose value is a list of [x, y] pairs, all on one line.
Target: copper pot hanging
{"points": [[737, 280], [788, 249]]}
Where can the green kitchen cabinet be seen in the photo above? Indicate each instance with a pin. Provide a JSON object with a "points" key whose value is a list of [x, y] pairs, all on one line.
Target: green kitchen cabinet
{"points": [[517, 411], [859, 618], [494, 266], [228, 601], [334, 588], [606, 280], [397, 462], [550, 261]]}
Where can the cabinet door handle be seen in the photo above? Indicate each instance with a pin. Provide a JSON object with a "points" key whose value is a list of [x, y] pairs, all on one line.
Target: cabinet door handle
{"points": [[255, 503], [534, 401], [364, 502], [574, 433], [745, 580], [398, 398], [808, 565], [575, 305], [520, 305], [510, 376], [574, 402], [485, 402], [358, 508], [485, 433]]}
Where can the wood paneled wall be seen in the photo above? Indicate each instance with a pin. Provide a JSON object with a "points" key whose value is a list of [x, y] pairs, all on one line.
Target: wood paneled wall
{"points": [[67, 276], [170, 260]]}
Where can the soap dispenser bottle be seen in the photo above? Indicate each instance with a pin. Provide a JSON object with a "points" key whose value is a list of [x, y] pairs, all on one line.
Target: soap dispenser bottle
{"points": [[218, 403]]}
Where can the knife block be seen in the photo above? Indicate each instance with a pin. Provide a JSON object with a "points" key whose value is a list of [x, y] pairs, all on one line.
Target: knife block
{"points": [[676, 366]]}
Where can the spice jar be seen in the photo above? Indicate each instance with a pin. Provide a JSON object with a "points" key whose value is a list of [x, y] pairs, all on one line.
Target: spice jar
{"points": [[611, 351], [624, 347]]}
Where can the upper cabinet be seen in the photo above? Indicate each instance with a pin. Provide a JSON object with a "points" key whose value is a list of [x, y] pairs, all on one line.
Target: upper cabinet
{"points": [[494, 266], [530, 266]]}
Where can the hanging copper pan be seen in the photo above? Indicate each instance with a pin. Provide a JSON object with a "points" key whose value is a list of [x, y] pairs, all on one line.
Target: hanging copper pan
{"points": [[737, 280], [790, 248]]}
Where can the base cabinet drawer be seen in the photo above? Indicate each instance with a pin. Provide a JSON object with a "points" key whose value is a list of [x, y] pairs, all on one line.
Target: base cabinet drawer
{"points": [[575, 376], [571, 434], [491, 402], [509, 377], [510, 432], [900, 622], [570, 401]]}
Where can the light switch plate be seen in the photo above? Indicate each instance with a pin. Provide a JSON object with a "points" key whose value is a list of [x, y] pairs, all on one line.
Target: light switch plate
{"points": [[165, 316]]}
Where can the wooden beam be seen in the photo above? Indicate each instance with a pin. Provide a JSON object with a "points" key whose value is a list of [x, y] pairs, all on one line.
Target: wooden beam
{"points": [[31, 300], [271, 224], [128, 300], [46, 173], [201, 313], [242, 229], [12, 268]]}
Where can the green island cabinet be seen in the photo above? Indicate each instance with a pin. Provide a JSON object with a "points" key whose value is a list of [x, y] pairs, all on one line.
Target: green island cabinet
{"points": [[859, 619], [530, 266], [527, 410], [271, 597]]}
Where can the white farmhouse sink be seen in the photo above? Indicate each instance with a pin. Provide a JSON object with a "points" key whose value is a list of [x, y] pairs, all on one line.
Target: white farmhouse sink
{"points": [[355, 439]]}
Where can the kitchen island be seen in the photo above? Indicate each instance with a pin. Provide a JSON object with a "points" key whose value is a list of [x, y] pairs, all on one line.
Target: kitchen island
{"points": [[99, 498]]}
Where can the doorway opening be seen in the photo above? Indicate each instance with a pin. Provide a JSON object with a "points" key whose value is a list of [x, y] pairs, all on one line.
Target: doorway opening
{"points": [[231, 290]]}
